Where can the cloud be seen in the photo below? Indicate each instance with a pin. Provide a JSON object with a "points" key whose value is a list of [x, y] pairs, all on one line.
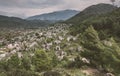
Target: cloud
{"points": [[30, 3], [12, 14], [34, 7], [82, 4]]}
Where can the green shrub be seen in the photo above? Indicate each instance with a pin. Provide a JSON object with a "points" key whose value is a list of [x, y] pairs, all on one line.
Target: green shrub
{"points": [[41, 61], [105, 56], [20, 72], [52, 73]]}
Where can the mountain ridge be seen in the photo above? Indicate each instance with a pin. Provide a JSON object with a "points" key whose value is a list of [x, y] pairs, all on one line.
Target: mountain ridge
{"points": [[90, 11], [15, 22], [57, 15]]}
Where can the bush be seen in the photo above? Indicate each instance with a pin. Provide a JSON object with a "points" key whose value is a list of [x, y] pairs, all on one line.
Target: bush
{"points": [[14, 62], [26, 63], [52, 73], [3, 74], [41, 61], [20, 72]]}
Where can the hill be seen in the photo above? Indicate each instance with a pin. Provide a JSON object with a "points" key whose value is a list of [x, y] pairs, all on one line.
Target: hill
{"points": [[55, 16], [91, 11], [14, 22], [99, 35], [107, 23]]}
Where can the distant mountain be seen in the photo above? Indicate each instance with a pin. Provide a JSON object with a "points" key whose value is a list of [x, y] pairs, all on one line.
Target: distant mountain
{"points": [[91, 11], [55, 16], [14, 22]]}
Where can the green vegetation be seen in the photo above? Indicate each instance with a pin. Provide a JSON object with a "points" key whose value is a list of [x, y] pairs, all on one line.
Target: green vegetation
{"points": [[28, 66], [105, 24], [99, 36], [41, 61], [14, 67], [91, 11], [101, 55], [14, 22]]}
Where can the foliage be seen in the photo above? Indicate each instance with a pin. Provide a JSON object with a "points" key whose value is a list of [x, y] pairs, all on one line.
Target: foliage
{"points": [[52, 73], [14, 22], [100, 54], [16, 67], [14, 61], [26, 63], [41, 61], [106, 23], [20, 72]]}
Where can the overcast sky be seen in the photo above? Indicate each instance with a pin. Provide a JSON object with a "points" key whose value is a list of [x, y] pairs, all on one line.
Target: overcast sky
{"points": [[25, 8]]}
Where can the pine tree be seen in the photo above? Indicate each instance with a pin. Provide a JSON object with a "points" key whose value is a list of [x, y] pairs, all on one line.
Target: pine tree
{"points": [[41, 61]]}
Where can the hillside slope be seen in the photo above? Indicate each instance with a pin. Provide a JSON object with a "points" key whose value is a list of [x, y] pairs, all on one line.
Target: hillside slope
{"points": [[100, 37], [91, 11], [108, 23], [14, 22]]}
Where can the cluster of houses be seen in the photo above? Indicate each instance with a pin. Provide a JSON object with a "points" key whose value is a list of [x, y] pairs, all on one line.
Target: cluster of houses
{"points": [[49, 38]]}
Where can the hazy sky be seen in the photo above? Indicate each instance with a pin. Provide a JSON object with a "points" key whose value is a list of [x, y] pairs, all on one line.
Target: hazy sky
{"points": [[25, 8]]}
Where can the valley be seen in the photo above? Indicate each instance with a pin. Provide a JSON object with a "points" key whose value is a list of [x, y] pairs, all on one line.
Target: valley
{"points": [[54, 40], [87, 44]]}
